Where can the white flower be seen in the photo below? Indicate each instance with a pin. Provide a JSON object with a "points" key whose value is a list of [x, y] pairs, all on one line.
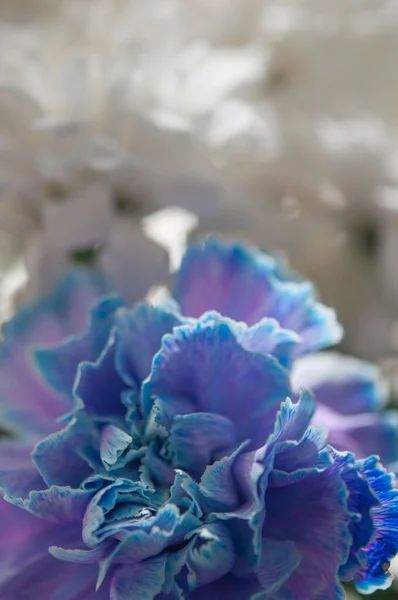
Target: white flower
{"points": [[273, 120], [88, 141]]}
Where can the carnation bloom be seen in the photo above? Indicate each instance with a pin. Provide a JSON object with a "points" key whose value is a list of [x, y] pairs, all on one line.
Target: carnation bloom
{"points": [[167, 451]]}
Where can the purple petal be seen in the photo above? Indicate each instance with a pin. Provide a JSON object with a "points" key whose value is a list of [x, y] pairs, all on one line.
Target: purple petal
{"points": [[138, 336], [227, 279], [18, 529], [361, 502], [279, 559], [121, 510], [142, 581], [197, 438], [323, 514], [58, 365], [384, 544], [342, 383], [349, 393], [114, 442], [27, 570], [18, 474], [321, 496], [246, 285], [98, 385], [52, 579], [362, 434], [56, 504], [205, 364], [218, 485], [59, 456], [229, 587], [211, 556], [297, 445], [26, 404], [267, 337]]}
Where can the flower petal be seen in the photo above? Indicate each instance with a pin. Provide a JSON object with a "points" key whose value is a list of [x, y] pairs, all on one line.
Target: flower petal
{"points": [[345, 384], [98, 386], [218, 486], [229, 279], [279, 559], [247, 285], [18, 474], [384, 545], [349, 393], [138, 337], [59, 456], [267, 337], [56, 504], [114, 441], [230, 587], [197, 438], [210, 556], [27, 570], [142, 581], [53, 579], [19, 530], [205, 364], [361, 501], [58, 365], [26, 404], [320, 533]]}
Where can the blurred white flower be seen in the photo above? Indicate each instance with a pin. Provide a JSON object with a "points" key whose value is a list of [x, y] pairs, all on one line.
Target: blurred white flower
{"points": [[272, 120], [95, 132]]}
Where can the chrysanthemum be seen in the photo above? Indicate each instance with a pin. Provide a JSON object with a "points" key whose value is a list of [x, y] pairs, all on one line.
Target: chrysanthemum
{"points": [[167, 452]]}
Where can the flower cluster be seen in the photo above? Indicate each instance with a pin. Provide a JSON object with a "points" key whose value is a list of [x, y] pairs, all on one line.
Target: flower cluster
{"points": [[177, 450], [108, 105]]}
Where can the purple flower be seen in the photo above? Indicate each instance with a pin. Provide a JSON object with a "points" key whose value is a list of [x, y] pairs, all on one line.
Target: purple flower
{"points": [[168, 452]]}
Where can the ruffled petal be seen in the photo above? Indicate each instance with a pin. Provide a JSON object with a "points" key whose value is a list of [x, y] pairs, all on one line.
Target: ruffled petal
{"points": [[20, 530], [114, 442], [267, 337], [27, 405], [98, 386], [362, 434], [18, 474], [142, 536], [279, 559], [205, 364], [384, 544], [56, 504], [247, 285], [320, 532], [58, 365], [210, 556], [139, 334], [349, 394], [298, 504], [142, 581], [52, 579], [361, 501], [27, 570], [298, 447], [321, 494], [130, 496], [219, 488], [197, 439], [59, 457], [345, 384]]}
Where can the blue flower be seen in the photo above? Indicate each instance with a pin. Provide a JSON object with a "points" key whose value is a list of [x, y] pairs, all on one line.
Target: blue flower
{"points": [[169, 451]]}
